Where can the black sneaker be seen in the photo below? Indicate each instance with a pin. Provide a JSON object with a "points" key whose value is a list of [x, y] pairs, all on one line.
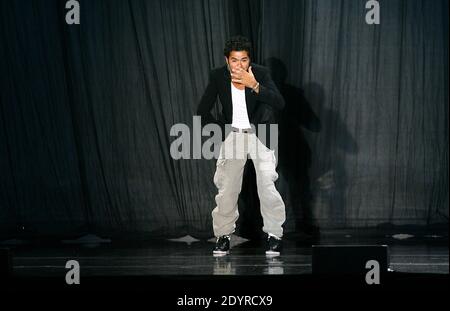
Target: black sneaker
{"points": [[274, 246], [222, 246]]}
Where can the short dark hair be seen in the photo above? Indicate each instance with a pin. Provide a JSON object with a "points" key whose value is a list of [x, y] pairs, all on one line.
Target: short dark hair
{"points": [[237, 43]]}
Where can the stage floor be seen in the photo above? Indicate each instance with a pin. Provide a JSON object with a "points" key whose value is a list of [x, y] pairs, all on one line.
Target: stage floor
{"points": [[190, 257], [416, 262]]}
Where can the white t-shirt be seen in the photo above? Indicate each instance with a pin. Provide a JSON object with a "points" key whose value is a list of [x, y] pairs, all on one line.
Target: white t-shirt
{"points": [[240, 116]]}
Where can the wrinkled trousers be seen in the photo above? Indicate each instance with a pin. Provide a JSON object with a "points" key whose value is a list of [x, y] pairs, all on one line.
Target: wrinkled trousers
{"points": [[228, 180]]}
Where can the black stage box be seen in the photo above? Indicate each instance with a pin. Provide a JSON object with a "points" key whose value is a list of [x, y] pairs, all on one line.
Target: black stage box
{"points": [[370, 262], [5, 263]]}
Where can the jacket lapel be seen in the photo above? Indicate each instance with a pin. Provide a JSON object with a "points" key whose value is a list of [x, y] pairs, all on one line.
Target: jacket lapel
{"points": [[226, 86], [249, 100]]}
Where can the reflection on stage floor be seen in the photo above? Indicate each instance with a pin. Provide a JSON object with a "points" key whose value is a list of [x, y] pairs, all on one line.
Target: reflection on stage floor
{"points": [[190, 256]]}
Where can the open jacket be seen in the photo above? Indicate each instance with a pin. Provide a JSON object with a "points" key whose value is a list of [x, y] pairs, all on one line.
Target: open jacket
{"points": [[260, 106]]}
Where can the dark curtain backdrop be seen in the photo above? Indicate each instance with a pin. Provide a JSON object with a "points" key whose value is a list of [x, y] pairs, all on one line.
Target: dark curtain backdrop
{"points": [[86, 112]]}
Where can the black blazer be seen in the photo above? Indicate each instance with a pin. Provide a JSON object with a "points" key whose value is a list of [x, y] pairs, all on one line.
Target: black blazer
{"points": [[260, 106]]}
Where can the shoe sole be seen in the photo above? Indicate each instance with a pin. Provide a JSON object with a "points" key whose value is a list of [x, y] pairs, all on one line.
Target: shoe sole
{"points": [[220, 253], [272, 253]]}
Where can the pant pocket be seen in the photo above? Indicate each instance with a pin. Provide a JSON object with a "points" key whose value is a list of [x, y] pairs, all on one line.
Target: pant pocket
{"points": [[267, 165], [220, 162], [219, 174]]}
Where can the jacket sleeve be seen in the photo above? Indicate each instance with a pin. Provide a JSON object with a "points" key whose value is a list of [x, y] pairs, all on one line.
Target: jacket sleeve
{"points": [[207, 102], [268, 92]]}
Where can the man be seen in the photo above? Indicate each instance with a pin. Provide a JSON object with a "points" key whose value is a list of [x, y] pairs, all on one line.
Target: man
{"points": [[248, 97]]}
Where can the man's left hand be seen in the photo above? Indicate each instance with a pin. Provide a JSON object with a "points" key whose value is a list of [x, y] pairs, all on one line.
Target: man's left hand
{"points": [[243, 77]]}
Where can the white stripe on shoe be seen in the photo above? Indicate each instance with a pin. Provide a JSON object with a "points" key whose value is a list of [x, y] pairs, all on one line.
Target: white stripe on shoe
{"points": [[220, 253], [272, 253]]}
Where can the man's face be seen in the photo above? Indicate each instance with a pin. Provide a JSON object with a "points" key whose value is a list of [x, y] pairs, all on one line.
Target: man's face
{"points": [[238, 60]]}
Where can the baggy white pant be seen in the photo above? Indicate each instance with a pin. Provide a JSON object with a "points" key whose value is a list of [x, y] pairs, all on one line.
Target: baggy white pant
{"points": [[228, 180]]}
